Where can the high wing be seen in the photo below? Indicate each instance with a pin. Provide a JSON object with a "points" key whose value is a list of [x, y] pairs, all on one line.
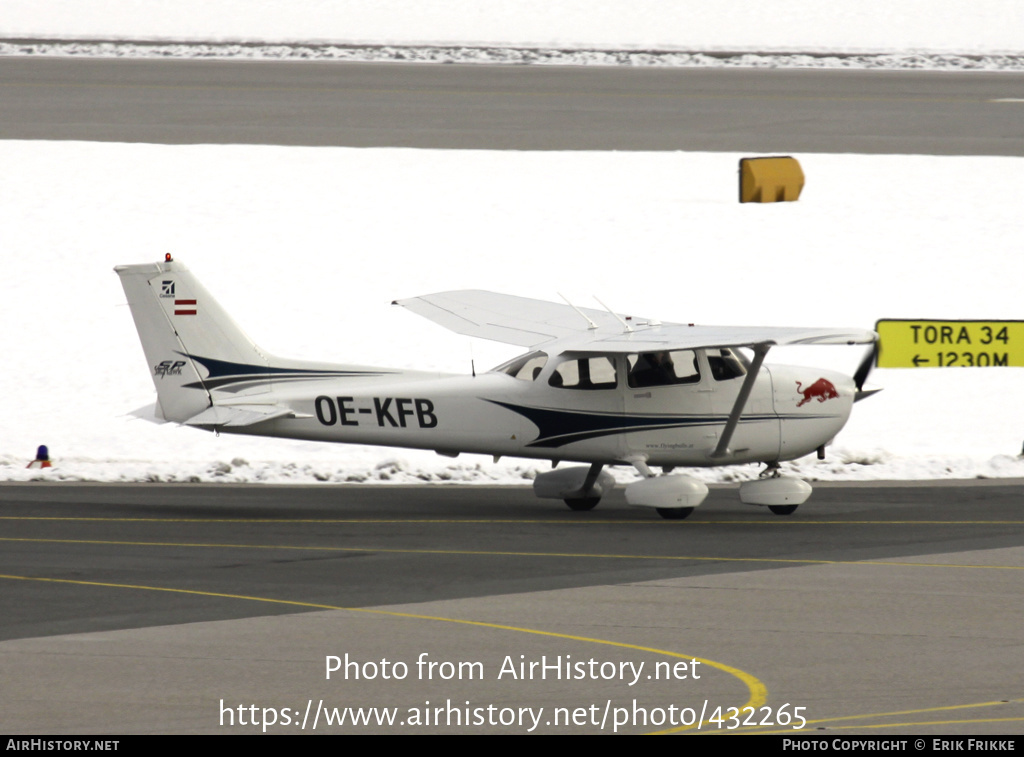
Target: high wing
{"points": [[536, 323], [509, 319]]}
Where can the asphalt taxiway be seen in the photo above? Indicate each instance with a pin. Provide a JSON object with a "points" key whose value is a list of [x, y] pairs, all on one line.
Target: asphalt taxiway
{"points": [[511, 107], [160, 608]]}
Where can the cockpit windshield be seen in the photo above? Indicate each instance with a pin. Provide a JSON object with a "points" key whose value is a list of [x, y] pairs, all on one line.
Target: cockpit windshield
{"points": [[726, 364]]}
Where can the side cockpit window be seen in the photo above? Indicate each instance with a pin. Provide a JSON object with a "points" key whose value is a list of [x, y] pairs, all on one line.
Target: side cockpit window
{"points": [[663, 368], [585, 373], [725, 364], [525, 368]]}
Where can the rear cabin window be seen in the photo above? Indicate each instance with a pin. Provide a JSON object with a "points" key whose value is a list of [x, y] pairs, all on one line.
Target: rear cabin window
{"points": [[663, 368], [585, 373], [527, 367]]}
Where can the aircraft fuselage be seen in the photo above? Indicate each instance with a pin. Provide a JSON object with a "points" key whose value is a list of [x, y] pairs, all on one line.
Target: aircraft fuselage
{"points": [[497, 414]]}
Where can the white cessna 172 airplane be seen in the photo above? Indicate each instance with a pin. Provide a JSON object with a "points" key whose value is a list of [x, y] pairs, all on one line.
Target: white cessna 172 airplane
{"points": [[595, 388]]}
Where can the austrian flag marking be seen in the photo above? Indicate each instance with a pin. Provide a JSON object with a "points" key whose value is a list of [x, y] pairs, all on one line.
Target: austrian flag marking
{"points": [[184, 307]]}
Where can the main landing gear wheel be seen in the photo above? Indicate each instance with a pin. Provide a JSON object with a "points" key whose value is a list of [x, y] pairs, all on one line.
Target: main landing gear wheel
{"points": [[674, 513], [582, 503], [782, 509]]}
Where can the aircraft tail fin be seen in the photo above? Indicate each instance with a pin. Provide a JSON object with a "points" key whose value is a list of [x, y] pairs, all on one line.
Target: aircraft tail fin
{"points": [[189, 340], [207, 372]]}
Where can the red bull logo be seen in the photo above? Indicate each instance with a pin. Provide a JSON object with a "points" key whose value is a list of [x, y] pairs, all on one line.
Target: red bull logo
{"points": [[821, 390]]}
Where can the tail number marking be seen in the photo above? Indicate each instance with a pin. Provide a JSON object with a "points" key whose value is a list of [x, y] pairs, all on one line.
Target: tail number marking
{"points": [[386, 412]]}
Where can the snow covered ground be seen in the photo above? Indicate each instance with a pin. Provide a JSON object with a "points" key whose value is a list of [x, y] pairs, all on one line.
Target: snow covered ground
{"points": [[943, 26], [957, 34], [307, 246]]}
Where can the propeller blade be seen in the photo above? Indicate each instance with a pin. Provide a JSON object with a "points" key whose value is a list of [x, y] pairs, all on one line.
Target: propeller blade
{"points": [[860, 377], [866, 364]]}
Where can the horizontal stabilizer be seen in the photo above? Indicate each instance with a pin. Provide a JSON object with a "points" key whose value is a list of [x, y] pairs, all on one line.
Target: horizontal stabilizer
{"points": [[238, 415], [149, 413]]}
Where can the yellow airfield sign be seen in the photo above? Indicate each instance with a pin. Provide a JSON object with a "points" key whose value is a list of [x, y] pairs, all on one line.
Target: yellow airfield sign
{"points": [[950, 344]]}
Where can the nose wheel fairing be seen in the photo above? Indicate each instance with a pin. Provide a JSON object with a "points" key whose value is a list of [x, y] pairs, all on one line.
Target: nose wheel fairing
{"points": [[777, 491]]}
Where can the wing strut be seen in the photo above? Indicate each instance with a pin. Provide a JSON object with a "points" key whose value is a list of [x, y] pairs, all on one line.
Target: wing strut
{"points": [[591, 326], [722, 450]]}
